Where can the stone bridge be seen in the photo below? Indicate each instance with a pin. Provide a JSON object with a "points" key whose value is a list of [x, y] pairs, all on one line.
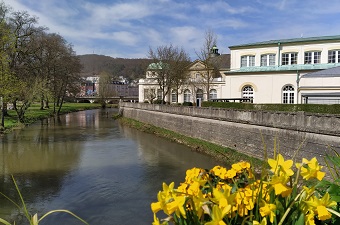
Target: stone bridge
{"points": [[115, 99]]}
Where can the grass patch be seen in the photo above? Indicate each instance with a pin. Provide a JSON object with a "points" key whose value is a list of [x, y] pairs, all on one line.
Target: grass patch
{"points": [[218, 152], [34, 113]]}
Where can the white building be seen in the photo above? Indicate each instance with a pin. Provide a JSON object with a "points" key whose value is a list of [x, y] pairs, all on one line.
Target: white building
{"points": [[276, 71], [272, 71], [193, 88]]}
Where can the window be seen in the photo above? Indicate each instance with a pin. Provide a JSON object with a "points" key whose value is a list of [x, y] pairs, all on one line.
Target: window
{"points": [[199, 94], [247, 92], [247, 60], [289, 58], [173, 96], [334, 56], [312, 57], [213, 94], [268, 60], [288, 94], [187, 95], [149, 94], [159, 94]]}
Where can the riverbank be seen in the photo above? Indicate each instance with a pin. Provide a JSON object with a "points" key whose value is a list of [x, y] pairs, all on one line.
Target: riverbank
{"points": [[34, 113], [220, 153]]}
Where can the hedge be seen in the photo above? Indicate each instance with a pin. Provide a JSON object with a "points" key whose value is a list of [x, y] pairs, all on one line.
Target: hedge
{"points": [[313, 108]]}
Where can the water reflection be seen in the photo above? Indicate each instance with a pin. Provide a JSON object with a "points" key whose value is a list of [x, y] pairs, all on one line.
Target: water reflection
{"points": [[87, 163]]}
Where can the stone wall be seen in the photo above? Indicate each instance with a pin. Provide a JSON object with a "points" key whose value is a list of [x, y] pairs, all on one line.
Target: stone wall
{"points": [[246, 131]]}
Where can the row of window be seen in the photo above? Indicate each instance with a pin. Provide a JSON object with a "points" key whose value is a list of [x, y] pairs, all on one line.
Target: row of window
{"points": [[287, 93], [311, 57], [199, 94]]}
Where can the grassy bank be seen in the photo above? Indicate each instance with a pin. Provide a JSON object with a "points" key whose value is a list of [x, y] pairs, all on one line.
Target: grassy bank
{"points": [[34, 113], [220, 153]]}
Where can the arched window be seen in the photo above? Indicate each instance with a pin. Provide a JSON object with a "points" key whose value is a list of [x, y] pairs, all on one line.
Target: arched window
{"points": [[288, 94], [213, 94], [248, 92], [173, 96], [199, 94], [187, 95]]}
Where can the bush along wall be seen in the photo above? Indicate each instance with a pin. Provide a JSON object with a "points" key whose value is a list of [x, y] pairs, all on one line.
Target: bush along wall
{"points": [[312, 108]]}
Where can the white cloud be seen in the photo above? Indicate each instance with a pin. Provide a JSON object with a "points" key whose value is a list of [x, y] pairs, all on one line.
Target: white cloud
{"points": [[222, 6]]}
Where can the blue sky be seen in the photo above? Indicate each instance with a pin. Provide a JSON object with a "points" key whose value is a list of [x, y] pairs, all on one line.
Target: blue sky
{"points": [[127, 28]]}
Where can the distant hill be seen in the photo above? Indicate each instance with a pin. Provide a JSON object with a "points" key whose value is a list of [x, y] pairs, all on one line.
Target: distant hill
{"points": [[129, 68]]}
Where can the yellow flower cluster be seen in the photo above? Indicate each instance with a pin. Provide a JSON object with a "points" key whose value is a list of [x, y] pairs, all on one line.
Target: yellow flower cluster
{"points": [[222, 196]]}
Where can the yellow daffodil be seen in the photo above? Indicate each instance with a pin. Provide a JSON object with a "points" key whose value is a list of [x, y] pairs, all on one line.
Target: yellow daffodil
{"points": [[319, 206], [263, 222], [176, 204], [163, 197], [279, 166], [156, 221], [310, 219], [279, 183], [223, 197], [310, 169], [268, 210], [217, 216]]}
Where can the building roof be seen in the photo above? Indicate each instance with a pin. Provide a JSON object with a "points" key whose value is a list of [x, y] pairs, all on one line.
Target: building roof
{"points": [[289, 41], [295, 67], [224, 61], [158, 66], [332, 72]]}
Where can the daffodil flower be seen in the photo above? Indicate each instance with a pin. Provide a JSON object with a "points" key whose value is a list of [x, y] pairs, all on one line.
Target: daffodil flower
{"points": [[319, 206], [268, 210], [279, 165], [217, 216], [310, 169]]}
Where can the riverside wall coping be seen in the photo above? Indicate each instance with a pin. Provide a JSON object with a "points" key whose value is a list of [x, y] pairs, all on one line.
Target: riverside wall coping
{"points": [[328, 124]]}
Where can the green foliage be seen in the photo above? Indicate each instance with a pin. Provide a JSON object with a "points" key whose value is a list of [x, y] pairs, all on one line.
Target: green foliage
{"points": [[312, 108], [34, 113], [332, 187], [159, 101], [187, 104]]}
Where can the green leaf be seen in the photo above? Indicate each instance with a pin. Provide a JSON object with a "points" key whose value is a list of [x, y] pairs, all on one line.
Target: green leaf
{"points": [[301, 220], [4, 222]]}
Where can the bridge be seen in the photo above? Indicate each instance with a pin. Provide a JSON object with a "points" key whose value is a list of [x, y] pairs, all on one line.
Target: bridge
{"points": [[114, 99]]}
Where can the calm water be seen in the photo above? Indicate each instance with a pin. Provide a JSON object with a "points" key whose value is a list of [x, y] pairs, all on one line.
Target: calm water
{"points": [[89, 164]]}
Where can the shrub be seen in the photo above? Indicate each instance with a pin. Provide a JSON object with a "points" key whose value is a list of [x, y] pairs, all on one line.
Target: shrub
{"points": [[159, 101], [187, 104], [312, 108]]}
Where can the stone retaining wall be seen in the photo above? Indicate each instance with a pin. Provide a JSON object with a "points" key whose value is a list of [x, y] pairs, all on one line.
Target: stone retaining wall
{"points": [[246, 131]]}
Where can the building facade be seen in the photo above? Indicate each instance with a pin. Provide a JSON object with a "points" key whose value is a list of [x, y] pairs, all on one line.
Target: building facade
{"points": [[276, 71], [198, 84], [273, 71]]}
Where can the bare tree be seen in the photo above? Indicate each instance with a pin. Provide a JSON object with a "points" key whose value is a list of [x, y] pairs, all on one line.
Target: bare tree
{"points": [[105, 89], [210, 62], [169, 66]]}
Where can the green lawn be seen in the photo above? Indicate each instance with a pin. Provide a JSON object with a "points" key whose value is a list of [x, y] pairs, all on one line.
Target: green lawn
{"points": [[34, 113]]}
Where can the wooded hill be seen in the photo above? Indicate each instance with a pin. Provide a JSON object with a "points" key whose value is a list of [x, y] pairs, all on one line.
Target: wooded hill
{"points": [[129, 68]]}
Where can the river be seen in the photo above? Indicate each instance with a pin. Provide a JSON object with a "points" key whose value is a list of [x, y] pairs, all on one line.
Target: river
{"points": [[88, 163]]}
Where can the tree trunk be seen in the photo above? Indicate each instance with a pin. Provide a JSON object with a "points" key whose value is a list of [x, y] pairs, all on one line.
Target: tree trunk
{"points": [[42, 102]]}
